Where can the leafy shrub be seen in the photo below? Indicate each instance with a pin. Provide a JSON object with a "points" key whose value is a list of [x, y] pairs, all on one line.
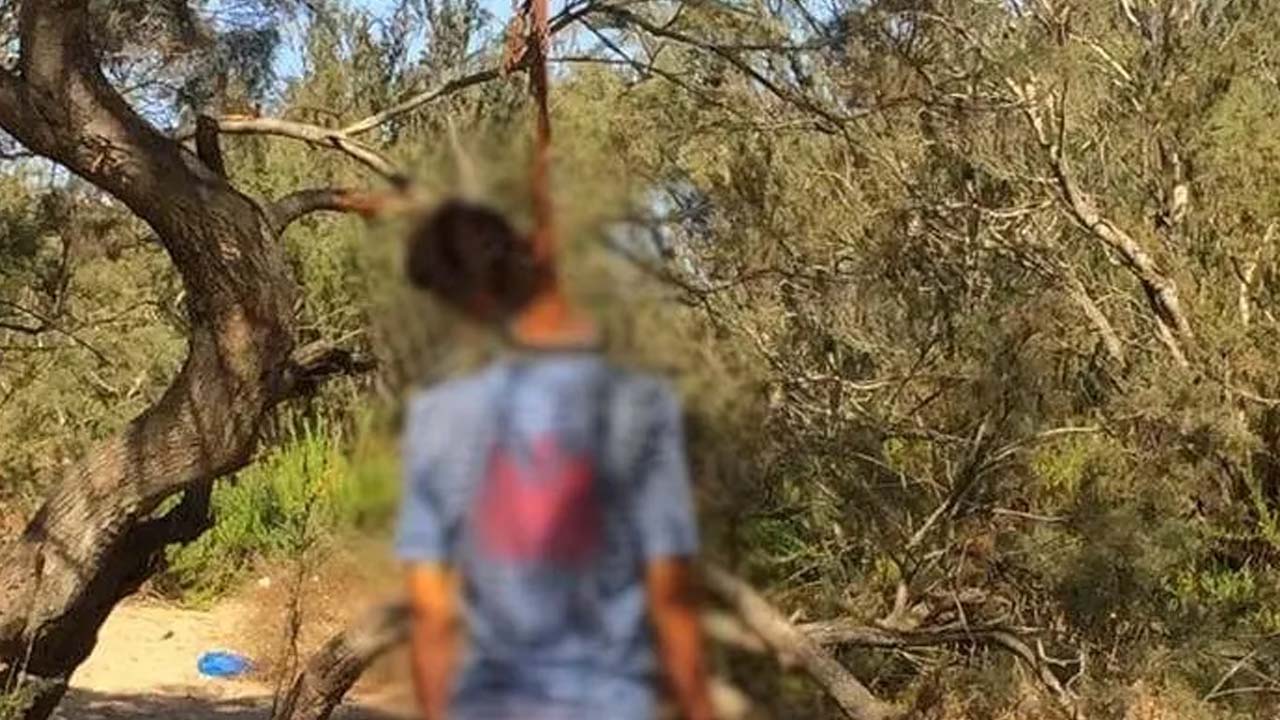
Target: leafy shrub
{"points": [[314, 488]]}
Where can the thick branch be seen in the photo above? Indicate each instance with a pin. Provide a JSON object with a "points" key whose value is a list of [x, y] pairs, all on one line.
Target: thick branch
{"points": [[766, 621], [366, 204], [47, 31], [93, 538]]}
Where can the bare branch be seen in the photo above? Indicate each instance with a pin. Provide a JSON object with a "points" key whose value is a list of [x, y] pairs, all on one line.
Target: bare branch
{"points": [[48, 324], [23, 329], [413, 103], [1173, 326], [847, 632], [785, 639], [318, 136], [980, 464], [344, 139], [728, 54], [364, 203], [1230, 673], [457, 84], [1106, 331]]}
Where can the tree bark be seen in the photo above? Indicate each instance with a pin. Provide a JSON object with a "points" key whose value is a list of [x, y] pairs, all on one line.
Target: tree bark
{"points": [[94, 538]]}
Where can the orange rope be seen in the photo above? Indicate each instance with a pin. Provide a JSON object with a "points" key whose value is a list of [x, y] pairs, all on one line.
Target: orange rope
{"points": [[543, 211], [548, 314]]}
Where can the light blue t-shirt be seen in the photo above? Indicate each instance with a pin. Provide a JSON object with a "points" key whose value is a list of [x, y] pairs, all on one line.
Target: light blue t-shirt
{"points": [[548, 482]]}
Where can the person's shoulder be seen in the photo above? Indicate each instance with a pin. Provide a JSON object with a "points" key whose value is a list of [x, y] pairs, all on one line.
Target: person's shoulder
{"points": [[454, 393]]}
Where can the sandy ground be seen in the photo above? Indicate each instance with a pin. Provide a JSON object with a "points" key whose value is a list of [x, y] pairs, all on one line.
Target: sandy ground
{"points": [[144, 666]]}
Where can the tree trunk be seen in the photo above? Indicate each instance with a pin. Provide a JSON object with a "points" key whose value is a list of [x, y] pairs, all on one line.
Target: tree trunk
{"points": [[93, 540]]}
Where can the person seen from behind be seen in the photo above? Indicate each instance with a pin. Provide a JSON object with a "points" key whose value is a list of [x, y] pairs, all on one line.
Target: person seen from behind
{"points": [[547, 524]]}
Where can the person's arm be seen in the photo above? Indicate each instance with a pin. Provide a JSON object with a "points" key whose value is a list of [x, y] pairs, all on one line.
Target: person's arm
{"points": [[435, 636], [673, 607], [669, 532], [433, 587]]}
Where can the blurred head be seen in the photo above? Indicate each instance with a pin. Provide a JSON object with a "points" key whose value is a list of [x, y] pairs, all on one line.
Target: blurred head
{"points": [[471, 258]]}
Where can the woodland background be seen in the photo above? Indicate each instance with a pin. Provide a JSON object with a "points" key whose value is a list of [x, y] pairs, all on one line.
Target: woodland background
{"points": [[971, 302]]}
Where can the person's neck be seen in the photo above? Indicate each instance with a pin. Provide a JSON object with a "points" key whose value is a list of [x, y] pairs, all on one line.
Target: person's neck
{"points": [[550, 323]]}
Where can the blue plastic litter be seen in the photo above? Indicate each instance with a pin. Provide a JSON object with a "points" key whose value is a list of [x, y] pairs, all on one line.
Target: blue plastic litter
{"points": [[223, 664]]}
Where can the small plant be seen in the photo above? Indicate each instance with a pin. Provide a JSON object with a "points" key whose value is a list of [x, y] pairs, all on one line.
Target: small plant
{"points": [[314, 484], [15, 702]]}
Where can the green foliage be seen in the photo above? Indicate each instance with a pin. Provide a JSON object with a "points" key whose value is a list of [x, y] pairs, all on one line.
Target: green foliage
{"points": [[14, 702], [316, 487]]}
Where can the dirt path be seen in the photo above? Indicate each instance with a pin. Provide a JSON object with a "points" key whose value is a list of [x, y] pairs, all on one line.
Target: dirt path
{"points": [[144, 666]]}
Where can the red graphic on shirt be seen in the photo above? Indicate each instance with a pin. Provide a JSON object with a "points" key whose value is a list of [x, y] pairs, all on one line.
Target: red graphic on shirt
{"points": [[543, 509]]}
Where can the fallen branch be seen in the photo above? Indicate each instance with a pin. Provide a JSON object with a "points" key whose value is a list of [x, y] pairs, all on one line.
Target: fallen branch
{"points": [[846, 632], [334, 669], [785, 639]]}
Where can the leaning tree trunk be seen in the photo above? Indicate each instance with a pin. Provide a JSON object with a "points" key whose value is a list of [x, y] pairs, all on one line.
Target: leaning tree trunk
{"points": [[93, 540]]}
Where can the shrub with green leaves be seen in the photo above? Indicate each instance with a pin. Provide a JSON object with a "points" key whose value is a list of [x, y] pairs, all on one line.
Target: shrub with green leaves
{"points": [[317, 486]]}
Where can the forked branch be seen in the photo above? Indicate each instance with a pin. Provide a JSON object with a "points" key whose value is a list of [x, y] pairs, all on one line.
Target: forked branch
{"points": [[1172, 323]]}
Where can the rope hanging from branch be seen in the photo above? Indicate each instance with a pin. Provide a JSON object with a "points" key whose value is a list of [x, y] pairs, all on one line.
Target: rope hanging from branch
{"points": [[528, 45]]}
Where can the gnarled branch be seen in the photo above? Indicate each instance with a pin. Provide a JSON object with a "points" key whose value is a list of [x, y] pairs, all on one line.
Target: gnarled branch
{"points": [[93, 538]]}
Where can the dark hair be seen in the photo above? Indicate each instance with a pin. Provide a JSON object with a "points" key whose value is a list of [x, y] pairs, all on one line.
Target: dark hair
{"points": [[470, 257]]}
